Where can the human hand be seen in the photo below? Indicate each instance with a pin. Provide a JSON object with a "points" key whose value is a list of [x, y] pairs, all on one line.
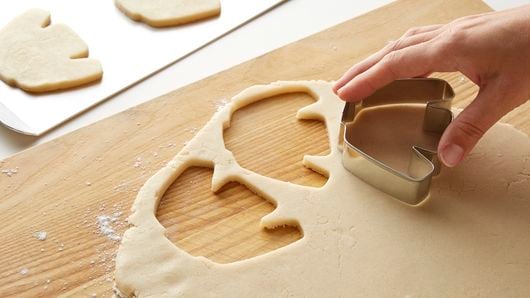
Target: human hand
{"points": [[491, 49]]}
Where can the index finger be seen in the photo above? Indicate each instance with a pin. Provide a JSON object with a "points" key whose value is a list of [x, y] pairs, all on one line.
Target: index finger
{"points": [[413, 61], [411, 37]]}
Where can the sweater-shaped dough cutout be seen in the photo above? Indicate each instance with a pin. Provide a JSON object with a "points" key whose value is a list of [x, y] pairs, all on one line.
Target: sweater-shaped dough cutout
{"points": [[38, 57]]}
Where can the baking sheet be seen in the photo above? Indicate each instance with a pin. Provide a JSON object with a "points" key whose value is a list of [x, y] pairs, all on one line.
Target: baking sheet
{"points": [[129, 52]]}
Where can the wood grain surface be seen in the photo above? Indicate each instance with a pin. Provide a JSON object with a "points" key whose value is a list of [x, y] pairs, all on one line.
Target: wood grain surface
{"points": [[61, 187]]}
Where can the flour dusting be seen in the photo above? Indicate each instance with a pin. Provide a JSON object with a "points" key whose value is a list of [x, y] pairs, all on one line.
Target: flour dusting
{"points": [[40, 235], [105, 224], [9, 172], [222, 104]]}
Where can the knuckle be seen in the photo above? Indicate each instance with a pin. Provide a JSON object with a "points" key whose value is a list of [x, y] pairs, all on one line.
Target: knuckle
{"points": [[442, 49], [444, 57], [412, 31], [469, 129], [455, 35], [460, 20], [395, 45], [390, 57], [369, 87], [390, 61], [465, 19]]}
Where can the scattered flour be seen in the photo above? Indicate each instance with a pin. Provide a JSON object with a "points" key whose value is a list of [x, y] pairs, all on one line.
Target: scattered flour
{"points": [[122, 187], [105, 224], [192, 129], [220, 105], [10, 172], [40, 235], [137, 162]]}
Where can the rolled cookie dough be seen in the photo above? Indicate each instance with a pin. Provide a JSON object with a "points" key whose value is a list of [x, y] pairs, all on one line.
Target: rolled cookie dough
{"points": [[38, 57], [470, 238], [165, 13]]}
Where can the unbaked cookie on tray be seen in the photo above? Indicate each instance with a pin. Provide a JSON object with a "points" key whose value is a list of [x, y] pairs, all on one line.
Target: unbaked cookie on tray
{"points": [[38, 57], [165, 13]]}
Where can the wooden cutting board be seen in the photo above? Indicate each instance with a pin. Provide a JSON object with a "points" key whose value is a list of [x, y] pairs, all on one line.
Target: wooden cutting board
{"points": [[63, 186]]}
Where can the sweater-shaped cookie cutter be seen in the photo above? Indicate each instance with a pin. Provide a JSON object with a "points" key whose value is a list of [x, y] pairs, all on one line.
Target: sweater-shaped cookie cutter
{"points": [[413, 186]]}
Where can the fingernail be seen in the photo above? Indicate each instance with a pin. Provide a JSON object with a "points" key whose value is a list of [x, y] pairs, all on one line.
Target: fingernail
{"points": [[452, 154]]}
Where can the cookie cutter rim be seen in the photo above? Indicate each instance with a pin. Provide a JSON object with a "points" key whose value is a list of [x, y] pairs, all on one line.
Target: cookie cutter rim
{"points": [[437, 95]]}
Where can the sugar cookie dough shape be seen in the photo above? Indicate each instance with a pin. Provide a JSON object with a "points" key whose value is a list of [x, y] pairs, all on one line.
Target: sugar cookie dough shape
{"points": [[38, 57], [166, 13]]}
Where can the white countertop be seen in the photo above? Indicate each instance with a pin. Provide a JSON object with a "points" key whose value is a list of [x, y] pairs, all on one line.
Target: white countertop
{"points": [[287, 23]]}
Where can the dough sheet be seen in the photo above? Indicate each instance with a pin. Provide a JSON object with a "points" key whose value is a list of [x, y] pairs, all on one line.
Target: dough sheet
{"points": [[471, 237]]}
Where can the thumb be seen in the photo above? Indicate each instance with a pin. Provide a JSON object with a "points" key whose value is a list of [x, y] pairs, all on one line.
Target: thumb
{"points": [[465, 131]]}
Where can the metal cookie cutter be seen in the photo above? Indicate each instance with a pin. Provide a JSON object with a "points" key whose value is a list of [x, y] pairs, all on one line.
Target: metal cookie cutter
{"points": [[413, 186]]}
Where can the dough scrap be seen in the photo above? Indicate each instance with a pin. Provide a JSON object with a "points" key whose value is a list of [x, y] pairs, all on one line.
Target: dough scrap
{"points": [[470, 238], [38, 57], [165, 13]]}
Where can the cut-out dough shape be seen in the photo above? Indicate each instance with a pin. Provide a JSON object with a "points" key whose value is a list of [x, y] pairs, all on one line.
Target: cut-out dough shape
{"points": [[470, 238], [39, 57], [165, 13]]}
